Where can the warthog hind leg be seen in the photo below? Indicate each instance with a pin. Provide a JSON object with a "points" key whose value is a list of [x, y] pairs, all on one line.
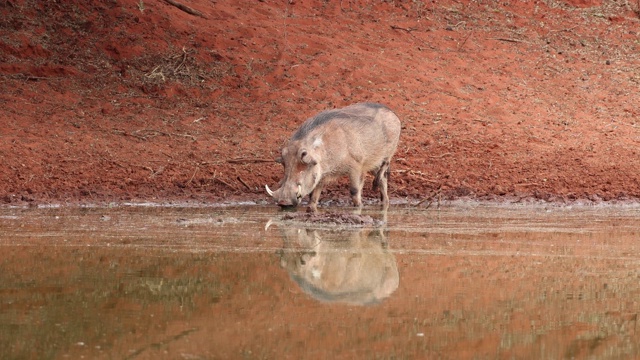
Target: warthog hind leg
{"points": [[381, 182]]}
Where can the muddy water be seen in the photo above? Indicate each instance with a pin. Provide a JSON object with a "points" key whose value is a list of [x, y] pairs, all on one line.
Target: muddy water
{"points": [[202, 283]]}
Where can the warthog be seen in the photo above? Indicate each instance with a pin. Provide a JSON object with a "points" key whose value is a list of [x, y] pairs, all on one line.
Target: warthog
{"points": [[350, 141], [351, 266]]}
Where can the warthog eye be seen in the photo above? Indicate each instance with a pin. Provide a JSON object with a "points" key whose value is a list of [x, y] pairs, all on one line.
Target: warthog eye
{"points": [[306, 158]]}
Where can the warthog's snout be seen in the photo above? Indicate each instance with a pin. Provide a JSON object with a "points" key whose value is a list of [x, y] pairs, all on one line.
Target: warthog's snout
{"points": [[283, 200]]}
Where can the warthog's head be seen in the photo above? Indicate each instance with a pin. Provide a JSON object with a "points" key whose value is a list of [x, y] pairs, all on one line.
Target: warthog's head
{"points": [[302, 171]]}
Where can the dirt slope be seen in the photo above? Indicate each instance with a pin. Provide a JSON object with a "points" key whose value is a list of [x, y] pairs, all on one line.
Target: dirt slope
{"points": [[139, 100]]}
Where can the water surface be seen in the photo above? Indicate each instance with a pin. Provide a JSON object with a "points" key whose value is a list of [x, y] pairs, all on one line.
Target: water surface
{"points": [[201, 283]]}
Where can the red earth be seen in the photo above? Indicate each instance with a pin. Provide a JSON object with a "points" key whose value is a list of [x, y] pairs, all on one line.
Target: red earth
{"points": [[190, 101]]}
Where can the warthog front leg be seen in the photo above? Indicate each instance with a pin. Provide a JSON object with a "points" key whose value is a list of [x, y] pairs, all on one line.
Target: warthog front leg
{"points": [[357, 182], [314, 197]]}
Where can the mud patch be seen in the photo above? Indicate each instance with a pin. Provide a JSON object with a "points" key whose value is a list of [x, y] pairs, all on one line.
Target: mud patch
{"points": [[331, 218]]}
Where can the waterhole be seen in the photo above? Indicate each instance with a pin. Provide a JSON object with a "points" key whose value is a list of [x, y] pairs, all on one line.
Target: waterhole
{"points": [[464, 281]]}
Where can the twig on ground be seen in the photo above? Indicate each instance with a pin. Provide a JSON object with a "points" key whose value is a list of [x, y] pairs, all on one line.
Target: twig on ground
{"points": [[464, 41], [184, 58], [117, 164], [510, 40], [409, 30], [185, 135], [243, 183], [27, 77], [155, 74], [435, 195], [418, 174], [440, 156], [153, 133], [527, 184], [194, 175], [224, 183], [154, 173], [423, 200], [185, 8], [167, 155], [161, 344], [249, 160], [451, 27]]}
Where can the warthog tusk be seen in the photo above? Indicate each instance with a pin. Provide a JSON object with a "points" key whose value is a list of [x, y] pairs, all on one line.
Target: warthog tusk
{"points": [[299, 194], [269, 190], [266, 227]]}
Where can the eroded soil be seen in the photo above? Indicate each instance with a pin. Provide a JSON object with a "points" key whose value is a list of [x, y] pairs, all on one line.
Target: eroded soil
{"points": [[131, 100]]}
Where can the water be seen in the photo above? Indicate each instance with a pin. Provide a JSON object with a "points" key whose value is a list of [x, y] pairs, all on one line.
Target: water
{"points": [[205, 283]]}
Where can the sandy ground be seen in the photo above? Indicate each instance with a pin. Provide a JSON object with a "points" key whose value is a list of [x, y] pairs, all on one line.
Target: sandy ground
{"points": [[131, 100]]}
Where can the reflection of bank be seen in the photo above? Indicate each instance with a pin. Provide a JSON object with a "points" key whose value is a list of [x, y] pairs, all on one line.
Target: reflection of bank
{"points": [[349, 266]]}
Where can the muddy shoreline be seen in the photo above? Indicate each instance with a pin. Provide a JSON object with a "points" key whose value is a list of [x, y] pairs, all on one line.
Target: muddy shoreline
{"points": [[331, 205]]}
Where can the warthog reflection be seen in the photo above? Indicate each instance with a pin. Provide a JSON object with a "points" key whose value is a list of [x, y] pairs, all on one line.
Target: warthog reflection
{"points": [[349, 266]]}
